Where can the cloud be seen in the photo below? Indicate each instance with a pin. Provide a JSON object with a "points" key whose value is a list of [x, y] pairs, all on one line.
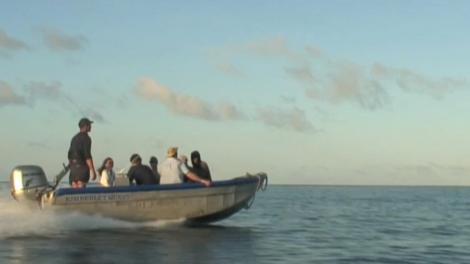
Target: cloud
{"points": [[58, 41], [10, 43], [276, 47], [349, 82], [38, 92], [229, 69], [44, 90], [410, 81], [94, 115], [302, 74], [291, 119], [9, 97], [185, 105], [334, 81]]}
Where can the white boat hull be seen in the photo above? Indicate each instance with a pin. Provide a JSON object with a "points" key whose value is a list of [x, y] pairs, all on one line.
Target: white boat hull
{"points": [[191, 202]]}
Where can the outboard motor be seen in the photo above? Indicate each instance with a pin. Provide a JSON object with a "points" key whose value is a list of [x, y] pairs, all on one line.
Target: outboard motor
{"points": [[28, 182]]}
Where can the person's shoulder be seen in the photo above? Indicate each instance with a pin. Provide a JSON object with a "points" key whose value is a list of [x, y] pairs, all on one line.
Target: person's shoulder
{"points": [[147, 167], [131, 170], [204, 164], [76, 136], [82, 135]]}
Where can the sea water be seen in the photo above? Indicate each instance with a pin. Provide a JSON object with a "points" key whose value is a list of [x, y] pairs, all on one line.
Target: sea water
{"points": [[286, 224]]}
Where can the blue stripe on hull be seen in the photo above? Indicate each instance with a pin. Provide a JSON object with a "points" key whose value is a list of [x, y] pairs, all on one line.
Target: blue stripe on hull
{"points": [[143, 188]]}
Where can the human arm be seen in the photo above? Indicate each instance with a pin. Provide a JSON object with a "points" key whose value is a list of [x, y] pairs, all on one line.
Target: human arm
{"points": [[130, 175], [193, 176], [206, 167], [91, 167]]}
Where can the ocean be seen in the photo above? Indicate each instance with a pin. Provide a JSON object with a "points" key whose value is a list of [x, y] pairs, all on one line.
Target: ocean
{"points": [[286, 224]]}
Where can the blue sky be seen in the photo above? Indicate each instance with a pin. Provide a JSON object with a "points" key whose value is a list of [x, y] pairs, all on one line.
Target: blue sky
{"points": [[312, 92]]}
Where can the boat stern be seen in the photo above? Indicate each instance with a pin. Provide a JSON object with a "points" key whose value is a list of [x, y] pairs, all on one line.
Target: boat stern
{"points": [[27, 183]]}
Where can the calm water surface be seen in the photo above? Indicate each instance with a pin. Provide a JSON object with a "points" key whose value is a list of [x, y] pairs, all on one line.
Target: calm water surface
{"points": [[287, 224]]}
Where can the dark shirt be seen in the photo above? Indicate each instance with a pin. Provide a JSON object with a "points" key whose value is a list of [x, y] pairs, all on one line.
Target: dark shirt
{"points": [[202, 171], [156, 174], [80, 148], [142, 174]]}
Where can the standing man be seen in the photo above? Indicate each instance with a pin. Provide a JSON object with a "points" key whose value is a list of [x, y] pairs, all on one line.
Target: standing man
{"points": [[80, 160]]}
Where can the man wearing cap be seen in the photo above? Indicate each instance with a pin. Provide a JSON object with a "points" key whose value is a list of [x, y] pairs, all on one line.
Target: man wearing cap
{"points": [[79, 155], [173, 170], [141, 174]]}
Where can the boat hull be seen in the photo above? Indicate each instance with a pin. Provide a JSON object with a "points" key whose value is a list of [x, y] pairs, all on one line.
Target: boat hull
{"points": [[193, 203]]}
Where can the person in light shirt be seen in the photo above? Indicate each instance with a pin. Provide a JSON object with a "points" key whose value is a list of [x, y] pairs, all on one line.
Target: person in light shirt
{"points": [[107, 175], [173, 170]]}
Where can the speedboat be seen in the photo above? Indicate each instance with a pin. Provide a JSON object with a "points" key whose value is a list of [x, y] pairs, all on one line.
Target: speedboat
{"points": [[190, 202]]}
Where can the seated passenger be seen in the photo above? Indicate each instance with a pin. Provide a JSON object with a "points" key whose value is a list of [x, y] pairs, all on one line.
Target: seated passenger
{"points": [[200, 167], [172, 170], [153, 165], [107, 175], [141, 174], [184, 159]]}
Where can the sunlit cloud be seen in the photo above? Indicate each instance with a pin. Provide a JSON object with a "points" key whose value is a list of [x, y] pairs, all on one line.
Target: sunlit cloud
{"points": [[59, 41], [9, 43], [94, 115], [229, 69], [269, 47], [9, 97], [294, 119], [303, 74], [44, 90], [334, 81], [410, 81], [185, 105], [36, 93]]}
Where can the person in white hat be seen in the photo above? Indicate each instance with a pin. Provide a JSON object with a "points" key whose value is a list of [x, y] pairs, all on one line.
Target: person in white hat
{"points": [[173, 170]]}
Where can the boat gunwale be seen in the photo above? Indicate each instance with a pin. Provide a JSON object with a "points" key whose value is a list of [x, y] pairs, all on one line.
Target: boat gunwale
{"points": [[155, 187]]}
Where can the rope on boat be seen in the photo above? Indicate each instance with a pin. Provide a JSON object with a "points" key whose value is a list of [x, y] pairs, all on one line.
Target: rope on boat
{"points": [[262, 185], [250, 202], [263, 181]]}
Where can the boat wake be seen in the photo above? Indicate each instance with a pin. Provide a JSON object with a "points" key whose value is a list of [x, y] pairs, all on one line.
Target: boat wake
{"points": [[18, 220]]}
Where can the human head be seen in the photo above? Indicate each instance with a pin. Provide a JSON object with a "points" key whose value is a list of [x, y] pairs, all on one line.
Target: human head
{"points": [[153, 160], [135, 159], [172, 152], [85, 124], [107, 164], [195, 158]]}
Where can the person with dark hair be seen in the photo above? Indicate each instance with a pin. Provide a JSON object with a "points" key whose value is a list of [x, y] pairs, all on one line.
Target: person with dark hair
{"points": [[106, 172], [173, 170], [200, 167], [79, 155], [141, 174], [153, 165]]}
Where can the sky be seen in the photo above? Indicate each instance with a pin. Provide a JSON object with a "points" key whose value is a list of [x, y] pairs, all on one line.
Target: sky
{"points": [[310, 92]]}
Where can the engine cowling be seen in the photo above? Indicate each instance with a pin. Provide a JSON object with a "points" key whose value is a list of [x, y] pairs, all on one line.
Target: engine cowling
{"points": [[28, 182]]}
